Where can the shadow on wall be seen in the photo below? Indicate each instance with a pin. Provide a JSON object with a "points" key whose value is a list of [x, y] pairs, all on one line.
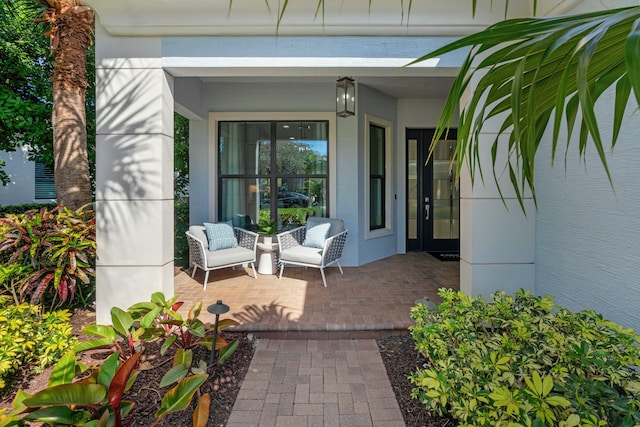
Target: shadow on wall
{"points": [[129, 148]]}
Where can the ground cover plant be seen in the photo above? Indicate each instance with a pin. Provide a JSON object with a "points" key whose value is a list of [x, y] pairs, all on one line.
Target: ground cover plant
{"points": [[31, 340], [521, 360]]}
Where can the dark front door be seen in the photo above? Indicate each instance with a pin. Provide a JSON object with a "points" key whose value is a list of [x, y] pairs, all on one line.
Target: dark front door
{"points": [[433, 198]]}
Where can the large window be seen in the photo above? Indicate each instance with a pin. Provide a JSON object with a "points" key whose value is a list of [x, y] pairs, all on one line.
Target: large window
{"points": [[272, 169]]}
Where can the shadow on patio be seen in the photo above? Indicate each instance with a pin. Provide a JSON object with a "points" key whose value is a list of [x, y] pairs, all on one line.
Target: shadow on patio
{"points": [[366, 302]]}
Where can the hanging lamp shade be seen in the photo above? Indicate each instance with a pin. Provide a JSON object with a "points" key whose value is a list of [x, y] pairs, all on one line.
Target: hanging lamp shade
{"points": [[345, 97]]}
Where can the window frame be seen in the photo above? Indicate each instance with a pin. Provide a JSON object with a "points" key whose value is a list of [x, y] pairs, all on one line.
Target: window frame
{"points": [[387, 228], [216, 117]]}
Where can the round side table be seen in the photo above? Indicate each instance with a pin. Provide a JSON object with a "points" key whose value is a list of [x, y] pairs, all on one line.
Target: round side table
{"points": [[267, 260]]}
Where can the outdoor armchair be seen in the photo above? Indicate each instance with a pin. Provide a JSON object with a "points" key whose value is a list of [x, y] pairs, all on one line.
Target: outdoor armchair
{"points": [[202, 257], [319, 244]]}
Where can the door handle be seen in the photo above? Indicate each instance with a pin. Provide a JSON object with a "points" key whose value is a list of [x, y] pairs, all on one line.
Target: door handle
{"points": [[427, 208]]}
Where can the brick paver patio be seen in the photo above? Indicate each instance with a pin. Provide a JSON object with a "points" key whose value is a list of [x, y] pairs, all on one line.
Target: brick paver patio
{"points": [[366, 302], [317, 362]]}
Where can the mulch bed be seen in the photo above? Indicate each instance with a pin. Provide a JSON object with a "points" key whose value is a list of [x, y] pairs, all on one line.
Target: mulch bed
{"points": [[400, 358]]}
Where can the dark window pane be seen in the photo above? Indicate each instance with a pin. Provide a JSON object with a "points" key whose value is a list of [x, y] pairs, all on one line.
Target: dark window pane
{"points": [[377, 150], [376, 203]]}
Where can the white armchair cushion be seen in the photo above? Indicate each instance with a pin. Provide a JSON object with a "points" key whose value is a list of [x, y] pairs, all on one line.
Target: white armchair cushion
{"points": [[316, 234], [303, 254], [220, 236], [229, 256]]}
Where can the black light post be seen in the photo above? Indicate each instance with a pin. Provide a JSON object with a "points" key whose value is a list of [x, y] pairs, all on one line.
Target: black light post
{"points": [[217, 309]]}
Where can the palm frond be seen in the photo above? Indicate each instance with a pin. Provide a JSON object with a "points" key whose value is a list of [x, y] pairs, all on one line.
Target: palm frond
{"points": [[530, 72]]}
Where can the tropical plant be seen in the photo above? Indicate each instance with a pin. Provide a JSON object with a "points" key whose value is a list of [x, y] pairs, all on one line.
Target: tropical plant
{"points": [[55, 251], [522, 360], [77, 395], [524, 72], [157, 319], [69, 29], [181, 189], [20, 209], [533, 73], [267, 226], [99, 398]]}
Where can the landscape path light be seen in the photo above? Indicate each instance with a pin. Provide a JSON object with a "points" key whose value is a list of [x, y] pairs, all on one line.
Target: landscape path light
{"points": [[218, 308]]}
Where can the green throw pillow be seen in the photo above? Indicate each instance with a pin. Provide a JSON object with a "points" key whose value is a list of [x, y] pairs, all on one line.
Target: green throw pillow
{"points": [[220, 236]]}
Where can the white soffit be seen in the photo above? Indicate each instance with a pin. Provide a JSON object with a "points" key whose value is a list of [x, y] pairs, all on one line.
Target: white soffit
{"points": [[338, 17]]}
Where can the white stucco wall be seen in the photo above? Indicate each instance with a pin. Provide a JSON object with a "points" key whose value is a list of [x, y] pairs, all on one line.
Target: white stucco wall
{"points": [[374, 103], [587, 236], [21, 187], [22, 175]]}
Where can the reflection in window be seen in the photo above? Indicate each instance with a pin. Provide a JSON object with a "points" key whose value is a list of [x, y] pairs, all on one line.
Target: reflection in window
{"points": [[272, 169]]}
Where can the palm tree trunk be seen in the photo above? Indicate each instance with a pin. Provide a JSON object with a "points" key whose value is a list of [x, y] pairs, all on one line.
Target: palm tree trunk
{"points": [[71, 161]]}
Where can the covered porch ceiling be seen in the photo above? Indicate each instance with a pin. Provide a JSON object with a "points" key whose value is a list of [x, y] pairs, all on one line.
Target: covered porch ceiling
{"points": [[433, 18], [303, 17], [397, 87]]}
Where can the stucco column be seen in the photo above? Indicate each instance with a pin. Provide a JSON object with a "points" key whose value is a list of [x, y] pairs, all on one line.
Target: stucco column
{"points": [[497, 240], [134, 182]]}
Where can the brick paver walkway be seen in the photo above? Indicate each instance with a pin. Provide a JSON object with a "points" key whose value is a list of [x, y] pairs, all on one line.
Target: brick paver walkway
{"points": [[316, 383]]}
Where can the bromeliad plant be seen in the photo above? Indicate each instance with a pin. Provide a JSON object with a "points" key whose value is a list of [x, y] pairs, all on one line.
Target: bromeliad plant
{"points": [[521, 360]]}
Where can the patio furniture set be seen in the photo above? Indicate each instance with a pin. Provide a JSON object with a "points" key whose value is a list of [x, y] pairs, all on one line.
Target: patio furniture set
{"points": [[318, 244]]}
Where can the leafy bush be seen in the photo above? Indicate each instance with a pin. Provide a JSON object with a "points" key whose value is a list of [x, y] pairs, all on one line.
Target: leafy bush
{"points": [[522, 360], [96, 396], [30, 339], [55, 250]]}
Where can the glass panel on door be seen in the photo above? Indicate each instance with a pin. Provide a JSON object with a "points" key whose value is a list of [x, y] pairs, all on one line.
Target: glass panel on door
{"points": [[446, 197]]}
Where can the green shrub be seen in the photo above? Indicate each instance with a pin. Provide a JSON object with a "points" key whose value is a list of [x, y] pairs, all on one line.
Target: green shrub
{"points": [[30, 339], [55, 250], [522, 360]]}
